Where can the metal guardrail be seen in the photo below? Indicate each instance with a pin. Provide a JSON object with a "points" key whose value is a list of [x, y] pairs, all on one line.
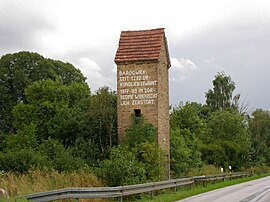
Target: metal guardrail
{"points": [[218, 177], [121, 191]]}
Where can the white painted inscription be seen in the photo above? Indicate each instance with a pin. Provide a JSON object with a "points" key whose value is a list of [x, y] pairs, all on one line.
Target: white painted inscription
{"points": [[137, 88]]}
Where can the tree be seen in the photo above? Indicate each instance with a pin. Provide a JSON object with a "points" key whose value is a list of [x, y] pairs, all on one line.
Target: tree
{"points": [[56, 110], [68, 113], [259, 127], [228, 141], [103, 118], [188, 127], [221, 96], [47, 124], [188, 116], [19, 70], [185, 153]]}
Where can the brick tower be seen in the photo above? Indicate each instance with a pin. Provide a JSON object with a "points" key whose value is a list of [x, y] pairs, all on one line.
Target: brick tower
{"points": [[143, 61]]}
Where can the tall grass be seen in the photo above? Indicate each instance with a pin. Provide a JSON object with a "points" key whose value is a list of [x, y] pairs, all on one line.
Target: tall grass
{"points": [[204, 170], [44, 180]]}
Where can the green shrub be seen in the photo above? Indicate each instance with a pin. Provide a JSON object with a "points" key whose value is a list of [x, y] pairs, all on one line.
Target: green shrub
{"points": [[258, 169], [21, 160], [204, 170], [140, 132], [86, 149], [50, 154], [185, 153], [122, 168], [59, 158], [152, 157]]}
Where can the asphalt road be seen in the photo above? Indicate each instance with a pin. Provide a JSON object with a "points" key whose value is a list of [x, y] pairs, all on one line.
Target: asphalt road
{"points": [[256, 190]]}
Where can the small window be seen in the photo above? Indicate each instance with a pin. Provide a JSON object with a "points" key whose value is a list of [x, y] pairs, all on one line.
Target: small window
{"points": [[137, 112]]}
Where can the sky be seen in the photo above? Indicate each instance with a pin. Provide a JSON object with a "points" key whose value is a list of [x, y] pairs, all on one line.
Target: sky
{"points": [[204, 38]]}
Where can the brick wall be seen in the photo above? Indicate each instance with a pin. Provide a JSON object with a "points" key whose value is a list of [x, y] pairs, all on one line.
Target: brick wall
{"points": [[131, 97], [143, 85]]}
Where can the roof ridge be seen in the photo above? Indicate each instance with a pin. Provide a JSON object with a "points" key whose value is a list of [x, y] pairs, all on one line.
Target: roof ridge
{"points": [[146, 30], [139, 45]]}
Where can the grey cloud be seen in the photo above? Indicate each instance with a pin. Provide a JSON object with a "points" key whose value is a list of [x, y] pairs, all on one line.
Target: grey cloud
{"points": [[103, 57], [240, 49], [19, 27]]}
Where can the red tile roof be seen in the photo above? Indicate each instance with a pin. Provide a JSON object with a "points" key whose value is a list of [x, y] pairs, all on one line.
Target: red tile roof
{"points": [[140, 45]]}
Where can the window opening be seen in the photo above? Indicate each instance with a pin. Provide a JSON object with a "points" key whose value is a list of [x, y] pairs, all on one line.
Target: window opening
{"points": [[137, 113]]}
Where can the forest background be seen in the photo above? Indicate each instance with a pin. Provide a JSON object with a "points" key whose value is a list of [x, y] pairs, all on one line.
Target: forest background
{"points": [[51, 123]]}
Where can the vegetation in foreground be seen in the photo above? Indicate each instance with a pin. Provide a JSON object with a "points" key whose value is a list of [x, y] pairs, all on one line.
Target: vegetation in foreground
{"points": [[34, 181], [50, 120]]}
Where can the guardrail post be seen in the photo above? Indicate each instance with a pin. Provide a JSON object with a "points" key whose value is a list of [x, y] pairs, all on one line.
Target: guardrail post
{"points": [[174, 188], [152, 192], [205, 183], [190, 186]]}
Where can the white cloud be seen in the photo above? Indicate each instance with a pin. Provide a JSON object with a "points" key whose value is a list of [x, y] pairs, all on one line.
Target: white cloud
{"points": [[181, 69], [176, 64], [93, 73], [230, 34], [89, 64]]}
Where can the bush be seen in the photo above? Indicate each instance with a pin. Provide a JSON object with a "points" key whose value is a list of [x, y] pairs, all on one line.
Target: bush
{"points": [[59, 158], [152, 157], [258, 169], [21, 160], [23, 139], [185, 153], [86, 149], [122, 168], [140, 132], [50, 154], [214, 154], [204, 170], [224, 154]]}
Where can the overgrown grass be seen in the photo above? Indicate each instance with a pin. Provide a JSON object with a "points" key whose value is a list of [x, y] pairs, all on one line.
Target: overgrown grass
{"points": [[37, 180], [204, 170], [185, 192]]}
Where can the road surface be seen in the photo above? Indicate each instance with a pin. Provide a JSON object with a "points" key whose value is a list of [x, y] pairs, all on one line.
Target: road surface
{"points": [[255, 190]]}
